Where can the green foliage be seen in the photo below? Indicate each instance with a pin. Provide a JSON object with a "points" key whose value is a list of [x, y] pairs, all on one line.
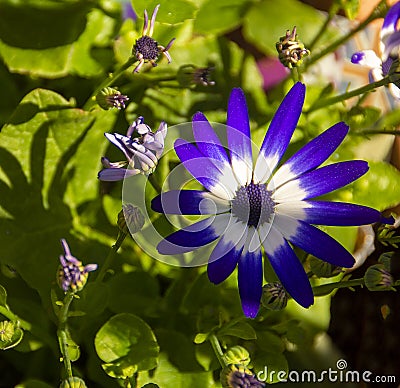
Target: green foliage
{"points": [[127, 345]]}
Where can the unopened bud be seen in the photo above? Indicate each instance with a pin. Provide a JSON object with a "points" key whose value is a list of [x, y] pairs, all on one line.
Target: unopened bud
{"points": [[237, 355], [130, 219], [291, 51], [378, 278], [274, 296], [111, 98], [73, 382]]}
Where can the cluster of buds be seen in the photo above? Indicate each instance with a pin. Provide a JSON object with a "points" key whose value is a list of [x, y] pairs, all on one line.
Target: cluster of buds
{"points": [[111, 98], [142, 153], [291, 51], [72, 274]]}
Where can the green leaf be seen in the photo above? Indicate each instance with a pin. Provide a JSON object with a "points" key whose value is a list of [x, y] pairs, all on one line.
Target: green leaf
{"points": [[270, 341], [92, 299], [378, 188], [270, 367], [3, 296], [268, 20], [239, 329], [37, 164], [126, 344], [60, 39], [220, 16], [166, 375], [200, 338], [134, 292], [31, 383], [170, 12]]}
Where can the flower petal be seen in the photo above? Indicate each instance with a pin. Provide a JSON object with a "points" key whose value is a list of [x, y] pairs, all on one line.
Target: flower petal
{"points": [[205, 170], [287, 266], [367, 58], [122, 142], [189, 202], [329, 213], [389, 25], [312, 155], [314, 241], [226, 253], [193, 236], [238, 134], [250, 277], [209, 145], [391, 46], [321, 181], [116, 174], [279, 133]]}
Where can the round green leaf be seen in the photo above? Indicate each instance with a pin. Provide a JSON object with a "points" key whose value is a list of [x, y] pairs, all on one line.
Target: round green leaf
{"points": [[126, 344]]}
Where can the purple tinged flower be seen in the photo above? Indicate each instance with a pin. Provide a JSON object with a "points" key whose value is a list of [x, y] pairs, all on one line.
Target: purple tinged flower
{"points": [[72, 274], [146, 49], [264, 205], [381, 66], [142, 153], [238, 376]]}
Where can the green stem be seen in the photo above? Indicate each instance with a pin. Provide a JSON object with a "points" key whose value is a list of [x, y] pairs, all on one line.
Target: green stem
{"points": [[356, 92], [331, 14], [110, 256], [217, 349], [62, 332], [109, 81], [379, 12], [376, 132], [328, 288], [154, 183]]}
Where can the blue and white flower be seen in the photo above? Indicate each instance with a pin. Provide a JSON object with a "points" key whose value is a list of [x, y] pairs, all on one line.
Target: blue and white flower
{"points": [[142, 153], [380, 66], [264, 205]]}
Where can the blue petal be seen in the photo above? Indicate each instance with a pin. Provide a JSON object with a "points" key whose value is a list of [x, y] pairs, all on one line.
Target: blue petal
{"points": [[205, 170], [392, 46], [390, 22], [193, 236], [226, 254], [288, 268], [116, 174], [250, 276], [314, 241], [188, 202], [206, 139], [280, 132], [238, 134], [321, 181], [312, 155], [330, 213]]}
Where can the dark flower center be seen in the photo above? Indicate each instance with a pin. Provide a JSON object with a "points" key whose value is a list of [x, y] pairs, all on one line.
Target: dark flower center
{"points": [[253, 204], [148, 47]]}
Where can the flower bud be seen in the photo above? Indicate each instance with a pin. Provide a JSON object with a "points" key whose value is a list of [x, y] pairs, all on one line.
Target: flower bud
{"points": [[130, 219], [73, 382], [291, 51], [111, 98], [6, 331], [189, 75], [237, 355], [274, 296], [378, 278], [238, 376]]}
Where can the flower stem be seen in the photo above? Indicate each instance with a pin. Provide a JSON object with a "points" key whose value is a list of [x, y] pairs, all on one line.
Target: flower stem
{"points": [[110, 256], [378, 12], [345, 96], [108, 81], [217, 349], [62, 332], [328, 288]]}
